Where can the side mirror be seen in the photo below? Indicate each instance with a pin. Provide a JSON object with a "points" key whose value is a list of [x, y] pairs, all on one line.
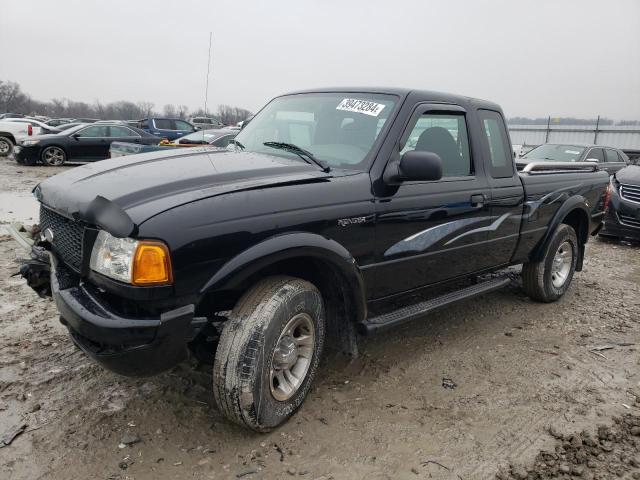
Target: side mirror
{"points": [[592, 160], [76, 136], [416, 165]]}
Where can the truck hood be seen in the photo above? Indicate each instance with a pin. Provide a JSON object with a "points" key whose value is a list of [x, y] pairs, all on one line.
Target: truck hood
{"points": [[126, 191], [629, 175]]}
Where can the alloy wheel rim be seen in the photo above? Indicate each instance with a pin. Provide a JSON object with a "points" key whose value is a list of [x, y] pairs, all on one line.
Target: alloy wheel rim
{"points": [[561, 264], [4, 146], [292, 357], [53, 156]]}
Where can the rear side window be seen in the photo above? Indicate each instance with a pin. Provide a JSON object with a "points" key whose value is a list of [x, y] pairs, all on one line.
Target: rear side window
{"points": [[180, 125], [498, 142], [163, 124], [597, 154], [611, 156], [122, 132], [94, 131], [445, 135]]}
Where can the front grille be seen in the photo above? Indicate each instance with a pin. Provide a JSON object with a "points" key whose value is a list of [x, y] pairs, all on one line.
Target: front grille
{"points": [[630, 192], [67, 236], [629, 220]]}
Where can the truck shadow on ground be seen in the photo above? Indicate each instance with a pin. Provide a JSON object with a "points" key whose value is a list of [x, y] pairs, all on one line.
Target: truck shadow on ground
{"points": [[394, 352]]}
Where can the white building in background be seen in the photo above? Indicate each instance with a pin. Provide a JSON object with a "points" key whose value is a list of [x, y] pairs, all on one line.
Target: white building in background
{"points": [[528, 136]]}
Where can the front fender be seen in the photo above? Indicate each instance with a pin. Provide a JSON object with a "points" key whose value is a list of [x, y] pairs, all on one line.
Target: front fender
{"points": [[289, 246]]}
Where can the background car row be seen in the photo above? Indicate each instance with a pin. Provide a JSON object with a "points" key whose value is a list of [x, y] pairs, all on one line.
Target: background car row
{"points": [[170, 129]]}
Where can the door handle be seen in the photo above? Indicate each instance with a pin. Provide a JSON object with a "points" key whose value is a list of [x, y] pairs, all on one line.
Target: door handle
{"points": [[478, 199]]}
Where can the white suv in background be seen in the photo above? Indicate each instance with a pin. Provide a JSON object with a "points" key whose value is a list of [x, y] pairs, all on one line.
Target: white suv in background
{"points": [[206, 123]]}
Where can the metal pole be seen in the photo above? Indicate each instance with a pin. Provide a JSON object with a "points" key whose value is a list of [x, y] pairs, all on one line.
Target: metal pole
{"points": [[206, 90], [595, 135], [546, 138]]}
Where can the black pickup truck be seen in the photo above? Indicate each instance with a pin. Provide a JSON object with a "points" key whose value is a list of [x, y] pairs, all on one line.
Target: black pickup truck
{"points": [[308, 231]]}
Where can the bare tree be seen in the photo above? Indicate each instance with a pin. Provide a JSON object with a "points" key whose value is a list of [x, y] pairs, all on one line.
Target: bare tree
{"points": [[11, 97], [231, 115], [183, 111], [146, 108], [169, 110], [14, 100]]}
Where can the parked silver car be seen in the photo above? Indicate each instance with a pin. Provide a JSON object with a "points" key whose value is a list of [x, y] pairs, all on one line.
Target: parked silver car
{"points": [[206, 122]]}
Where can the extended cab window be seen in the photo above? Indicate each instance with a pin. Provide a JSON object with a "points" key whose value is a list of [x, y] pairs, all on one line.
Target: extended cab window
{"points": [[499, 151], [446, 135]]}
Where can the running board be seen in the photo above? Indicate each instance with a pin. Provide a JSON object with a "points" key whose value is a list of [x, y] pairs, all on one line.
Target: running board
{"points": [[406, 314]]}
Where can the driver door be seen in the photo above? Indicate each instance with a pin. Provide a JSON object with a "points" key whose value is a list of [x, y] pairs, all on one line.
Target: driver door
{"points": [[89, 143], [431, 231]]}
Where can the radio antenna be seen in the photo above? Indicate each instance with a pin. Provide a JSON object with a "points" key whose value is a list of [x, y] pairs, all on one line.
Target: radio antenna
{"points": [[206, 91]]}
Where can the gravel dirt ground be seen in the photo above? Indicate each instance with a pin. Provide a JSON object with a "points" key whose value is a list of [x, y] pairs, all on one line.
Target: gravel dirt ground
{"points": [[495, 387]]}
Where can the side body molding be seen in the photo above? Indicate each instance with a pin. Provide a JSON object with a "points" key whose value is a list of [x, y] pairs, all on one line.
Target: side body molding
{"points": [[289, 246]]}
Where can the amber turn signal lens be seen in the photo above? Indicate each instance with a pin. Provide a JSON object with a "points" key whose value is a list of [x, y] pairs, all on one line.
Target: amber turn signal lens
{"points": [[152, 264]]}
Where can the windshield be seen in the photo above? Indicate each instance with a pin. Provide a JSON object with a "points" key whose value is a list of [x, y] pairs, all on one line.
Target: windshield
{"points": [[555, 153], [339, 129]]}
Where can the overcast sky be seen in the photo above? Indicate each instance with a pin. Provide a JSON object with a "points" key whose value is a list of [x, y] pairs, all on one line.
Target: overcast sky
{"points": [[534, 57]]}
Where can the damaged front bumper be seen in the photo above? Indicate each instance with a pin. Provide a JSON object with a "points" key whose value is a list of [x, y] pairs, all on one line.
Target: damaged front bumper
{"points": [[125, 345]]}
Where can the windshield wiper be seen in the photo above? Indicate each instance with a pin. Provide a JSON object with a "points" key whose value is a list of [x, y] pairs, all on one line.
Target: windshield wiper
{"points": [[301, 152]]}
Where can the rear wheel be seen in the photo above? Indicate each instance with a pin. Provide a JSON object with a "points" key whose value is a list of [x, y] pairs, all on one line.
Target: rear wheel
{"points": [[548, 279], [269, 352], [53, 156], [6, 147]]}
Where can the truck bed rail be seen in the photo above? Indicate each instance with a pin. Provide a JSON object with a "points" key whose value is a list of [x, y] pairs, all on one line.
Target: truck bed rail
{"points": [[541, 168]]}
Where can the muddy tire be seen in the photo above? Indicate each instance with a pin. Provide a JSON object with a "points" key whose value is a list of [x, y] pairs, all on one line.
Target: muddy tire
{"points": [[548, 279], [6, 147], [269, 352]]}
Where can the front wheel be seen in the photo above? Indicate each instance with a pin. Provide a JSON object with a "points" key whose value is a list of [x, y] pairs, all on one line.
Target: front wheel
{"points": [[53, 156], [269, 352], [6, 147], [548, 279]]}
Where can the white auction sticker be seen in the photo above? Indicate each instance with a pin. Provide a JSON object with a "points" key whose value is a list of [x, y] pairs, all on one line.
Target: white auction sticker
{"points": [[574, 152], [360, 106]]}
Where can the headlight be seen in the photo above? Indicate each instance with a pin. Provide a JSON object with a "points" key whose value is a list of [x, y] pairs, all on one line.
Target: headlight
{"points": [[28, 143], [138, 262]]}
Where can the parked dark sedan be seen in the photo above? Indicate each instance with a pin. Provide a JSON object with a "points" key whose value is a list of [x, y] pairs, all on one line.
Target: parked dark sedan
{"points": [[84, 143], [610, 159], [622, 219]]}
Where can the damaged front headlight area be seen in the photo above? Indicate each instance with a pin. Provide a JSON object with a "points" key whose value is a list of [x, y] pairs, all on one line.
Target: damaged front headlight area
{"points": [[136, 262], [113, 257]]}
